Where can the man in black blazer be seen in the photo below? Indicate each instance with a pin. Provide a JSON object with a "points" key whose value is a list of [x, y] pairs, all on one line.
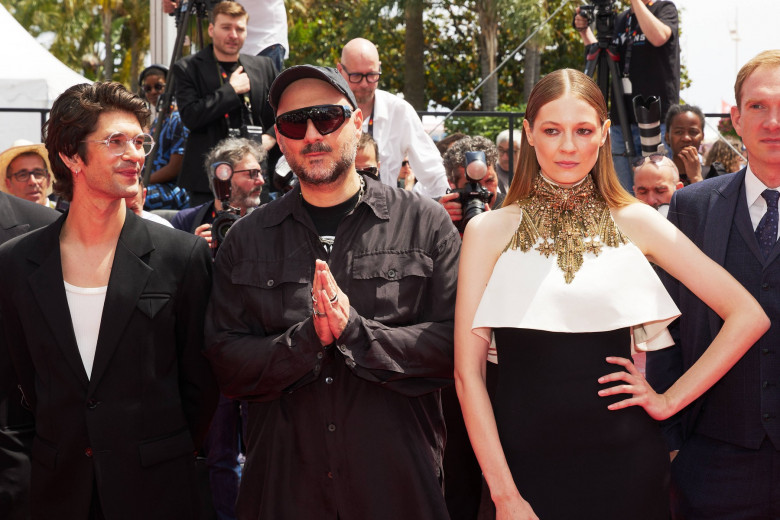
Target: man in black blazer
{"points": [[729, 440], [102, 313], [220, 91], [17, 217]]}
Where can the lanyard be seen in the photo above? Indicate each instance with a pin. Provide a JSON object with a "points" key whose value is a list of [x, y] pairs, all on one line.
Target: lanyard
{"points": [[246, 112]]}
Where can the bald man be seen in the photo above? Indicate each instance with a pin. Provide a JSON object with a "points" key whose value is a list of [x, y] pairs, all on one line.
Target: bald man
{"points": [[391, 121], [656, 180]]}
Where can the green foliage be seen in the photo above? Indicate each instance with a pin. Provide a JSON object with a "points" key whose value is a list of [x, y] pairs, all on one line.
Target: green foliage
{"points": [[77, 28]]}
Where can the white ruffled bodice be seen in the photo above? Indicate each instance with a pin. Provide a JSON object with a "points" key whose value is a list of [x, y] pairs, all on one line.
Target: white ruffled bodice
{"points": [[616, 289]]}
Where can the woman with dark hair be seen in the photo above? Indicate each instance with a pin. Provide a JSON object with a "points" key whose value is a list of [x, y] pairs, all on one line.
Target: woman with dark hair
{"points": [[559, 277]]}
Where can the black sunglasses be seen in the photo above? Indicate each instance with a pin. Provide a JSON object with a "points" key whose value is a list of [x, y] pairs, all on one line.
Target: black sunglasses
{"points": [[655, 158], [159, 87], [326, 119], [370, 170]]}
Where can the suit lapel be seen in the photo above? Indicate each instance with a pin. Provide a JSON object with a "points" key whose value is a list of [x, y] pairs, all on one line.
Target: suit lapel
{"points": [[721, 212], [48, 289], [10, 223], [745, 226], [129, 275]]}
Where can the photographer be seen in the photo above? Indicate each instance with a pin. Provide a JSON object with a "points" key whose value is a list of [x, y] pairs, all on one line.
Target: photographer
{"points": [[455, 166], [221, 93], [647, 41], [244, 156]]}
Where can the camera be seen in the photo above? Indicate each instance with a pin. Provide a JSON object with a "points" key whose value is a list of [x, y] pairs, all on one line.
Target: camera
{"points": [[222, 175], [648, 118], [473, 196], [255, 133], [603, 12]]}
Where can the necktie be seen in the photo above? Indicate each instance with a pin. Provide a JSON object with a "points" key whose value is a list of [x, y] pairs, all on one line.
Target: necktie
{"points": [[766, 232]]}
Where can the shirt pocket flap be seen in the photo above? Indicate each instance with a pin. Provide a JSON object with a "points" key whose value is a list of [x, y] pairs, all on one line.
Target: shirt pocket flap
{"points": [[391, 266], [269, 275]]}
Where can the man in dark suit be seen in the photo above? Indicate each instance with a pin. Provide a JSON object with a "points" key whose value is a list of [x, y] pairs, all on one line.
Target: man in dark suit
{"points": [[729, 440], [221, 92], [17, 217], [102, 313]]}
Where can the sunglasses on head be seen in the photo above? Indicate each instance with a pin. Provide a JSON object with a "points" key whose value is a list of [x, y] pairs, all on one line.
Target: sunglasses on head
{"points": [[654, 158], [326, 119]]}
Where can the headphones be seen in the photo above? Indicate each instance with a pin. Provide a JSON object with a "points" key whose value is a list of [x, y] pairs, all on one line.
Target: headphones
{"points": [[152, 68]]}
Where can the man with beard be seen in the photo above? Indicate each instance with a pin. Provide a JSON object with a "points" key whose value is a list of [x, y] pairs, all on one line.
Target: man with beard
{"points": [[391, 121], [332, 313], [246, 184]]}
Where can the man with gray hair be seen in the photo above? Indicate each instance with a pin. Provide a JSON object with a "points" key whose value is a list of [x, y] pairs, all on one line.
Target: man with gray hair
{"points": [[246, 185], [455, 167]]}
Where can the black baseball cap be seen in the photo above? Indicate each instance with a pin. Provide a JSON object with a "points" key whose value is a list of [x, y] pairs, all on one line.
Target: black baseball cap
{"points": [[292, 74]]}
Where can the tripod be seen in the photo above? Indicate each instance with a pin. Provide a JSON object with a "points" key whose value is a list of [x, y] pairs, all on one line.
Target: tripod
{"points": [[602, 59], [200, 9]]}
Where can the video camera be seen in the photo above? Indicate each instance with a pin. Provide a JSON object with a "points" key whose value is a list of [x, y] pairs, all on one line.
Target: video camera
{"points": [[200, 7], [604, 12], [473, 196], [222, 175]]}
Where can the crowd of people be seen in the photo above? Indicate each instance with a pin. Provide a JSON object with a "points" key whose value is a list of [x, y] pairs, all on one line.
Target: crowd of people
{"points": [[303, 313]]}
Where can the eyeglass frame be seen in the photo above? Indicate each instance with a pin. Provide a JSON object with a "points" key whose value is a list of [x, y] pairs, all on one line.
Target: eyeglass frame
{"points": [[27, 173], [640, 161], [362, 76], [252, 176], [127, 140]]}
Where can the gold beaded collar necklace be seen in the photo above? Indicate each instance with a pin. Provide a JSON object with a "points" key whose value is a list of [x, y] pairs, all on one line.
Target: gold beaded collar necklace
{"points": [[566, 222]]}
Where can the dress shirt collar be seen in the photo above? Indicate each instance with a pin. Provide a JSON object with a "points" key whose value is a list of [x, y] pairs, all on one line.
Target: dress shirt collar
{"points": [[753, 189]]}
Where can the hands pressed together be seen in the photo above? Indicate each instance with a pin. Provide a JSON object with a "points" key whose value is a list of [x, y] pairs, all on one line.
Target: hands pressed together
{"points": [[329, 304]]}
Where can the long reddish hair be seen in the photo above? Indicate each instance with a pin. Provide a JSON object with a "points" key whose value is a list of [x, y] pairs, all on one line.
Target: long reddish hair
{"points": [[550, 88]]}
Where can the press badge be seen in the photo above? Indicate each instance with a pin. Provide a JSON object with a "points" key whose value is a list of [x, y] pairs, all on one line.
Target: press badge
{"points": [[627, 86]]}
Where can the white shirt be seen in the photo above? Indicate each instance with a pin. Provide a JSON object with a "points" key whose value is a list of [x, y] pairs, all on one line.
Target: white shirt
{"points": [[267, 26], [399, 132], [756, 203], [86, 310], [148, 215]]}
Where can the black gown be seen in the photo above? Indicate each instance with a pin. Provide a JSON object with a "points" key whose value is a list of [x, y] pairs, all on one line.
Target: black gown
{"points": [[571, 457]]}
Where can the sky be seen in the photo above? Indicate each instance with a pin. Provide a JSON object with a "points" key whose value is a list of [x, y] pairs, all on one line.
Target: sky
{"points": [[710, 52]]}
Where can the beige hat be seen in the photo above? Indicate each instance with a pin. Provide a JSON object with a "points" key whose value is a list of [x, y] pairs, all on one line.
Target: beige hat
{"points": [[19, 147]]}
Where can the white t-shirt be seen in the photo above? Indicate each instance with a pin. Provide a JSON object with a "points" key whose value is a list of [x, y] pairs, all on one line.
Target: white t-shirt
{"points": [[86, 310], [267, 26]]}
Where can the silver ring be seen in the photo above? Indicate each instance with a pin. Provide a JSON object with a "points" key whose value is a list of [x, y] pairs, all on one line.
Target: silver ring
{"points": [[318, 313], [335, 298], [313, 299]]}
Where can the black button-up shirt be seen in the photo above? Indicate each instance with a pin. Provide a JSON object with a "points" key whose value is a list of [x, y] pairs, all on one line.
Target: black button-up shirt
{"points": [[353, 430]]}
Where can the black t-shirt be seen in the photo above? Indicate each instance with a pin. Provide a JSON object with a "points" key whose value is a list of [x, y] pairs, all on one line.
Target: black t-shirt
{"points": [[653, 71], [326, 220], [226, 68]]}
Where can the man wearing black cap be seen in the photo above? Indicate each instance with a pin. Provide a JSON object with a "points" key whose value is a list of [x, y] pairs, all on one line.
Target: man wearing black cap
{"points": [[340, 334]]}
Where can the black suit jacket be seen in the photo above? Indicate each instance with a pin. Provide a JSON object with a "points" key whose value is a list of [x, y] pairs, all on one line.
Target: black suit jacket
{"points": [[17, 216], [132, 427], [705, 212], [203, 101]]}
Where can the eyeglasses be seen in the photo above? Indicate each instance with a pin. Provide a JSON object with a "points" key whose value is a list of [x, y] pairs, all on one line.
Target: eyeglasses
{"points": [[654, 158], [159, 87], [38, 174], [326, 119], [253, 174], [117, 143], [373, 171], [357, 77]]}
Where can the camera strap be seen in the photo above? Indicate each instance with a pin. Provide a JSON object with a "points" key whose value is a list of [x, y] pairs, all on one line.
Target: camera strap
{"points": [[630, 35]]}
